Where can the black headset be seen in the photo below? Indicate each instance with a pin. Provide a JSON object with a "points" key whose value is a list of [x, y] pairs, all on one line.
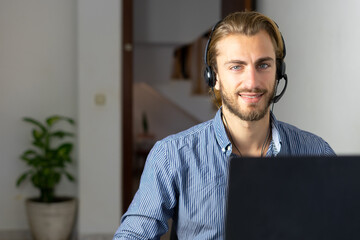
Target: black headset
{"points": [[210, 76]]}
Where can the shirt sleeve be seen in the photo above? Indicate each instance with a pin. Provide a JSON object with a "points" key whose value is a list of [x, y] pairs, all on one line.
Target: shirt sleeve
{"points": [[155, 200], [328, 151]]}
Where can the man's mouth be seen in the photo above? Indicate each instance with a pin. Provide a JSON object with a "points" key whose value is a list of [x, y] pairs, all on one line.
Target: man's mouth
{"points": [[251, 95]]}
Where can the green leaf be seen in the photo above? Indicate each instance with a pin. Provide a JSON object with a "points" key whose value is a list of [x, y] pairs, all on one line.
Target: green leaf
{"points": [[36, 180], [68, 159], [61, 134], [22, 178], [29, 152], [38, 135], [145, 123], [35, 122], [38, 144], [29, 156], [52, 120], [33, 159], [64, 149], [69, 176], [57, 178], [69, 120], [56, 118]]}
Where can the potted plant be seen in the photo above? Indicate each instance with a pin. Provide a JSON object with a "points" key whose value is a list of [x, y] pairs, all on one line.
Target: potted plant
{"points": [[143, 143], [50, 216]]}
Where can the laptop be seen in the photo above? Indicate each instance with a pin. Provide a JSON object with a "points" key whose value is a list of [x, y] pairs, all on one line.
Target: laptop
{"points": [[293, 198]]}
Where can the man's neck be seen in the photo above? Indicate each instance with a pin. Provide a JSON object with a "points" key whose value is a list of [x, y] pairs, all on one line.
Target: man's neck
{"points": [[249, 138]]}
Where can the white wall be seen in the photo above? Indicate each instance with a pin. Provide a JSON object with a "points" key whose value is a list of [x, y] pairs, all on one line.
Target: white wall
{"points": [[55, 56], [322, 40], [37, 78], [99, 62]]}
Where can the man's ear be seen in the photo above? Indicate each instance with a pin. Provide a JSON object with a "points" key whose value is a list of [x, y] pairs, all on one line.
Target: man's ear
{"points": [[217, 83]]}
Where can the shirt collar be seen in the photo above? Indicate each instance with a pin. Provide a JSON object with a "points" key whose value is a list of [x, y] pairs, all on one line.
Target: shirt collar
{"points": [[220, 133], [275, 145], [225, 144]]}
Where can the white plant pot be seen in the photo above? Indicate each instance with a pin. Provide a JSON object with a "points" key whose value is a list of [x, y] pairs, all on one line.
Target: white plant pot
{"points": [[51, 221]]}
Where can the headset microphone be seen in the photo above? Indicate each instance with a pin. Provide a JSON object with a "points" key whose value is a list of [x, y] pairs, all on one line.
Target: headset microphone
{"points": [[277, 97]]}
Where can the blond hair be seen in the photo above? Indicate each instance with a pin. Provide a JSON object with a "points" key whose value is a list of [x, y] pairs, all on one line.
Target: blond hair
{"points": [[246, 23]]}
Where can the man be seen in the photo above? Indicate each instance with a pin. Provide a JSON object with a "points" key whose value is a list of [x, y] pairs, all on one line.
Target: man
{"points": [[185, 174]]}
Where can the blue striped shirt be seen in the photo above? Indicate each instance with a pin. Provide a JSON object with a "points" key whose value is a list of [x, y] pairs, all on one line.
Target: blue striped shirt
{"points": [[185, 178]]}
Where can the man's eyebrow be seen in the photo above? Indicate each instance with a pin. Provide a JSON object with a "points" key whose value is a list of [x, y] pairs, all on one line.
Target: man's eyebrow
{"points": [[235, 62], [264, 59], [241, 62]]}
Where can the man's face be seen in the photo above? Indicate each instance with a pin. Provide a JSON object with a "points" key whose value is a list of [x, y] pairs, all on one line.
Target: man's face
{"points": [[246, 69]]}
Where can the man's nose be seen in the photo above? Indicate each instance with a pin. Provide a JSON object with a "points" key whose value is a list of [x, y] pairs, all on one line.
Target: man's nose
{"points": [[250, 77]]}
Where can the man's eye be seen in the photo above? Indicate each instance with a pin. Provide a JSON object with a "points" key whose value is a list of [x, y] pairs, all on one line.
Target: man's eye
{"points": [[263, 66], [237, 67]]}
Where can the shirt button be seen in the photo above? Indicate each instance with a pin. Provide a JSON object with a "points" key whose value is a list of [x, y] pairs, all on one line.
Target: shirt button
{"points": [[223, 150]]}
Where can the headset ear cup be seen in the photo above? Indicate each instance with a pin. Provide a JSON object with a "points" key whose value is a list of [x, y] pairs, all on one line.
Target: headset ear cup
{"points": [[281, 69], [209, 76], [280, 74]]}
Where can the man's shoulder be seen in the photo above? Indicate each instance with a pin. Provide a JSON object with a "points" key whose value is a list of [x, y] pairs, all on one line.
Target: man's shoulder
{"points": [[191, 133], [301, 141], [178, 145], [292, 130]]}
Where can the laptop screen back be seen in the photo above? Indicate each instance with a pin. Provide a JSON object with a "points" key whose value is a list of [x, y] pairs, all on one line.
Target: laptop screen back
{"points": [[294, 198]]}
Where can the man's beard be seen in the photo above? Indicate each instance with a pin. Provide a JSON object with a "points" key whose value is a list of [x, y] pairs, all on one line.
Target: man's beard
{"points": [[254, 115]]}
